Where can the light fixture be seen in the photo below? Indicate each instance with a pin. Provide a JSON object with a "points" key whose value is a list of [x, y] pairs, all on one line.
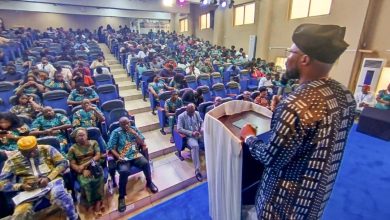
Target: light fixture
{"points": [[231, 4], [223, 4], [168, 3], [205, 2], [181, 1]]}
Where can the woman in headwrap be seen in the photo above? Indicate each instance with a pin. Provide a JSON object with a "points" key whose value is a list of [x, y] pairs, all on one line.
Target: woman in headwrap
{"points": [[84, 157]]}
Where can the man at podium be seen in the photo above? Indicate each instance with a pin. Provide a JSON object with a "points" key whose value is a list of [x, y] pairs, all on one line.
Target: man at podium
{"points": [[309, 129]]}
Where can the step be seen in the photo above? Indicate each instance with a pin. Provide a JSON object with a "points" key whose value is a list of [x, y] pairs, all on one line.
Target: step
{"points": [[118, 71], [120, 76], [146, 121], [158, 144], [125, 84], [116, 66], [137, 106], [170, 175], [112, 61], [130, 94]]}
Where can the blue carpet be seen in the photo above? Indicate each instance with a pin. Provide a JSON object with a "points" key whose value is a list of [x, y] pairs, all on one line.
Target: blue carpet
{"points": [[362, 190], [191, 205]]}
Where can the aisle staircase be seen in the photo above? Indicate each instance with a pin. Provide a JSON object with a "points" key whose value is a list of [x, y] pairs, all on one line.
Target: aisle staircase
{"points": [[169, 173]]}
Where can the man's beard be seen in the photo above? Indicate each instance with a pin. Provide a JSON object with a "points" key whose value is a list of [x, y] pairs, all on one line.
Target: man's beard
{"points": [[292, 74]]}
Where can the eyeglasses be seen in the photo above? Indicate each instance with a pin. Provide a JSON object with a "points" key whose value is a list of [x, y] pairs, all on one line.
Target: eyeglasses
{"points": [[289, 51]]}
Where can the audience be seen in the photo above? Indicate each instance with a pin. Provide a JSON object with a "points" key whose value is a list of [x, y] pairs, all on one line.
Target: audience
{"points": [[11, 75], [26, 106], [383, 99], [87, 116], [125, 144], [364, 98], [11, 130], [52, 124], [190, 124], [171, 105], [81, 92], [20, 174], [99, 62], [261, 99], [58, 83], [84, 157], [30, 85]]}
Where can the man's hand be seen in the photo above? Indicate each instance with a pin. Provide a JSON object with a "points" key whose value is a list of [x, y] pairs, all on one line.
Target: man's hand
{"points": [[42, 182], [246, 131], [196, 134], [87, 173], [26, 187]]}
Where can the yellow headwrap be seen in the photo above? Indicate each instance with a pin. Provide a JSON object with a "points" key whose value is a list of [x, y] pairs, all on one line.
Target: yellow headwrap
{"points": [[27, 143]]}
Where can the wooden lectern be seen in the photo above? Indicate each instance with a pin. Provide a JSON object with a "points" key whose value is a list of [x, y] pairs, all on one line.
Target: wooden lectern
{"points": [[233, 175]]}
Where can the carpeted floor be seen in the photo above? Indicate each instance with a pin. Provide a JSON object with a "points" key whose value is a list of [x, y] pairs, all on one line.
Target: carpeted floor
{"points": [[362, 190]]}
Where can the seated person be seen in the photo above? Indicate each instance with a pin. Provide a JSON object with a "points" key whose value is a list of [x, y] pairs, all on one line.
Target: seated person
{"points": [[79, 77], [101, 70], [140, 68], [123, 144], [81, 155], [246, 96], [188, 97], [48, 167], [155, 65], [171, 105], [167, 72], [178, 82], [217, 102], [11, 130], [66, 73], [192, 70], [383, 99], [266, 82], [43, 76], [26, 106], [261, 99], [80, 67], [58, 83], [45, 65], [189, 123], [11, 75], [158, 86], [80, 93], [364, 98], [207, 67], [51, 124], [87, 116], [99, 62], [30, 85]]}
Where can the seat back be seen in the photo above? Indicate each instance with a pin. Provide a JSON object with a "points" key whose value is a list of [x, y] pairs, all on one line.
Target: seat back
{"points": [[206, 93], [219, 90], [233, 88], [163, 97], [63, 63], [204, 80], [26, 120], [147, 76], [191, 81], [56, 99], [50, 140], [182, 91], [107, 93], [116, 114], [108, 106], [180, 110], [202, 108], [179, 70], [95, 134], [6, 91], [216, 78], [255, 94], [102, 79]]}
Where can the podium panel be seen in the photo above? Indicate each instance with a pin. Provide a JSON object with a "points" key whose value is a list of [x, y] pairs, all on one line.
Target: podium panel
{"points": [[233, 175]]}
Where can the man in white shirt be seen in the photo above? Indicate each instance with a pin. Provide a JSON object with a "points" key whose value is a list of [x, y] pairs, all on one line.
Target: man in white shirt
{"points": [[45, 65], [65, 72], [266, 82], [364, 98], [192, 70]]}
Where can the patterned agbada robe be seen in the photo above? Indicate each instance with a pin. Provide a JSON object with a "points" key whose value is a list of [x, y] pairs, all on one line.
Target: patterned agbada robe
{"points": [[50, 163], [302, 157]]}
